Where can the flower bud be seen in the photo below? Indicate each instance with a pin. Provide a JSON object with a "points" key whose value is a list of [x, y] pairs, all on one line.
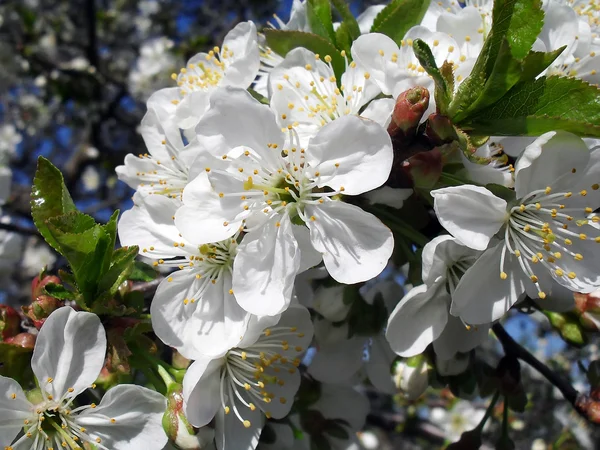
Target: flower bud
{"points": [[24, 340], [589, 407], [411, 376], [440, 130], [41, 308], [9, 322], [177, 427], [408, 111], [468, 440], [568, 326], [587, 307], [39, 282]]}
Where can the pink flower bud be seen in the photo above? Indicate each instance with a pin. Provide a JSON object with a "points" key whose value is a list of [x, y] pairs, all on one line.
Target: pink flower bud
{"points": [[408, 111], [9, 322], [41, 308], [25, 340]]}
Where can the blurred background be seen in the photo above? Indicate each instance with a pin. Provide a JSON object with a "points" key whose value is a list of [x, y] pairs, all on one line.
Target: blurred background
{"points": [[74, 78]]}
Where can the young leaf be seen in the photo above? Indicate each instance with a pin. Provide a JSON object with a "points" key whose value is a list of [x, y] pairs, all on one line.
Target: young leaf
{"points": [[142, 272], [545, 104], [348, 20], [49, 198], [515, 27], [281, 42], [319, 18], [398, 17], [426, 59], [59, 291], [122, 264]]}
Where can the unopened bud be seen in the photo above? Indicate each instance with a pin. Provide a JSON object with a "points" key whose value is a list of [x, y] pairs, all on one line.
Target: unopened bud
{"points": [[24, 340], [176, 425], [9, 322], [408, 111], [587, 307], [469, 440], [39, 282], [440, 130], [568, 326], [589, 407], [41, 308], [411, 376]]}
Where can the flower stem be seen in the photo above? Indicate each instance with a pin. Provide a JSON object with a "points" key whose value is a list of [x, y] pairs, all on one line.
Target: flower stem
{"points": [[489, 411]]}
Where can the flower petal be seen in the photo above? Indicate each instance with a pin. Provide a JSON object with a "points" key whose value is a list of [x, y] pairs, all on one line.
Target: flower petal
{"points": [[440, 254], [352, 153], [242, 67], [418, 319], [380, 111], [265, 268], [309, 257], [456, 338], [365, 53], [230, 432], [379, 366], [355, 245], [209, 324], [482, 296], [69, 352], [472, 214], [14, 409], [128, 417], [551, 160], [201, 388], [337, 362]]}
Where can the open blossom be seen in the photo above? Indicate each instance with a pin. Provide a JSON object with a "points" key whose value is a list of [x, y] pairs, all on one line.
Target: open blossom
{"points": [[547, 242], [67, 359], [194, 309], [396, 69], [286, 198], [256, 379], [235, 64], [422, 316], [164, 169], [306, 95]]}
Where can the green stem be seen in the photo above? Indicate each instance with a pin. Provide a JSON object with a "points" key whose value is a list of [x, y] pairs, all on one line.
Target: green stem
{"points": [[169, 381], [488, 411]]}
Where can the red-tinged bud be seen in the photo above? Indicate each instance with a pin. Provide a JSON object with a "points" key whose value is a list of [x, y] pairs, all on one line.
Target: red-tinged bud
{"points": [[408, 111], [440, 130], [39, 282], [9, 322], [589, 407], [587, 307], [41, 308], [25, 340], [177, 427]]}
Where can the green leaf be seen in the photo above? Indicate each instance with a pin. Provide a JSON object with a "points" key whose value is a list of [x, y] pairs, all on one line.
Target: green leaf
{"points": [[348, 20], [319, 18], [122, 263], [398, 17], [281, 42], [49, 198], [542, 105], [343, 39], [59, 291], [261, 98], [442, 94], [515, 27], [142, 272]]}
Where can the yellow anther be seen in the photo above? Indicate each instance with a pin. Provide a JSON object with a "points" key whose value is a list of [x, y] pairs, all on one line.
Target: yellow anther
{"points": [[583, 193], [518, 253], [568, 241], [227, 410], [367, 75], [534, 278], [559, 272], [542, 295], [583, 236], [503, 275], [572, 275]]}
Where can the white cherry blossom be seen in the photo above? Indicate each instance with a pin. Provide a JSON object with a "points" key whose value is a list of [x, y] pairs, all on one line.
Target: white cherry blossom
{"points": [[286, 198], [256, 379], [67, 359], [547, 243], [194, 309], [422, 316]]}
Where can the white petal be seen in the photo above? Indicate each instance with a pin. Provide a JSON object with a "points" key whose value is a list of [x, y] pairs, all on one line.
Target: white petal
{"points": [[355, 245], [380, 111], [309, 257], [379, 366], [137, 414], [481, 296], [149, 224], [201, 388], [456, 337], [365, 53], [69, 352], [549, 161], [388, 196], [162, 103], [329, 302], [440, 254], [235, 119], [231, 434], [241, 68], [367, 17], [342, 402], [192, 108], [462, 25], [352, 153], [13, 411], [338, 362], [418, 320], [265, 268], [472, 214], [208, 325]]}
